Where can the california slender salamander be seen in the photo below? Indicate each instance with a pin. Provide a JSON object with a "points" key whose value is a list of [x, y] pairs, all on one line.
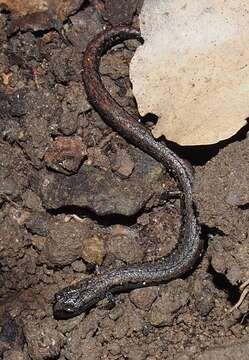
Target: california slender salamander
{"points": [[75, 299]]}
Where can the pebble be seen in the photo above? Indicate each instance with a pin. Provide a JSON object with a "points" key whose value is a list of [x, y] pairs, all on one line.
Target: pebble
{"points": [[43, 340], [8, 188], [37, 223], [114, 348], [79, 266], [64, 243], [135, 353], [124, 245], [31, 200], [116, 312], [164, 309], [143, 298], [69, 122], [85, 23], [93, 250], [123, 163], [65, 154], [121, 328]]}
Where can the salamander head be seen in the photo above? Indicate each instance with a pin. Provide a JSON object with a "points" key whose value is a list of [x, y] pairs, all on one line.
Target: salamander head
{"points": [[72, 301]]}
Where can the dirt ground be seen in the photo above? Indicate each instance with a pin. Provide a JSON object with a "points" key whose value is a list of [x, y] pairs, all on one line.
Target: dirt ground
{"points": [[76, 199]]}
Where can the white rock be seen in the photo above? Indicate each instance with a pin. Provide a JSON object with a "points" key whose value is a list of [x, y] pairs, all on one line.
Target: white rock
{"points": [[193, 69]]}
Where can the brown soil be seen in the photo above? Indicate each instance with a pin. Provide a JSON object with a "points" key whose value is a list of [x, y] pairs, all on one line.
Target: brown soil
{"points": [[75, 198]]}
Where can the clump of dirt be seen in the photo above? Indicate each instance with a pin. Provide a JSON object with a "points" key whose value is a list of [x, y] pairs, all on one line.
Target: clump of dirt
{"points": [[76, 199]]}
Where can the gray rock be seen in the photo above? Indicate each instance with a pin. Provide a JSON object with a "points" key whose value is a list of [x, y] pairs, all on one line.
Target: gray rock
{"points": [[101, 191], [8, 188], [79, 266], [86, 24], [120, 12], [37, 223]]}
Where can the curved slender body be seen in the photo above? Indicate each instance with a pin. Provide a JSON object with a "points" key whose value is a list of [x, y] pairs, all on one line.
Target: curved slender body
{"points": [[75, 299]]}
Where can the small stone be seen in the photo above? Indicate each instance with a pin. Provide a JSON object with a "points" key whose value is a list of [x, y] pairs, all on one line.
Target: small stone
{"points": [[225, 264], [234, 273], [31, 200], [8, 188], [11, 334], [89, 349], [124, 245], [164, 309], [64, 244], [39, 242], [64, 62], [114, 348], [136, 353], [183, 357], [35, 15], [60, 89], [43, 339], [75, 99], [116, 312], [203, 291], [97, 158], [123, 163], [19, 215], [233, 198], [86, 24], [65, 154], [121, 328], [69, 122], [120, 12], [79, 266], [93, 250], [136, 322], [74, 103], [13, 242], [37, 223], [18, 105], [143, 298]]}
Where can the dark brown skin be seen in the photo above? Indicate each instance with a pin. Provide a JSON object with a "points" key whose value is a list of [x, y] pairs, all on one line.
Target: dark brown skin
{"points": [[73, 300]]}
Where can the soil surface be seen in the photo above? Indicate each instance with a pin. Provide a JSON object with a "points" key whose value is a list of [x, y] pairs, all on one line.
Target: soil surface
{"points": [[76, 199]]}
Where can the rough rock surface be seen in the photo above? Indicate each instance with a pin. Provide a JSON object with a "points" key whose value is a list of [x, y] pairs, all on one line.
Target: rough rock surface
{"points": [[101, 191], [227, 211]]}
